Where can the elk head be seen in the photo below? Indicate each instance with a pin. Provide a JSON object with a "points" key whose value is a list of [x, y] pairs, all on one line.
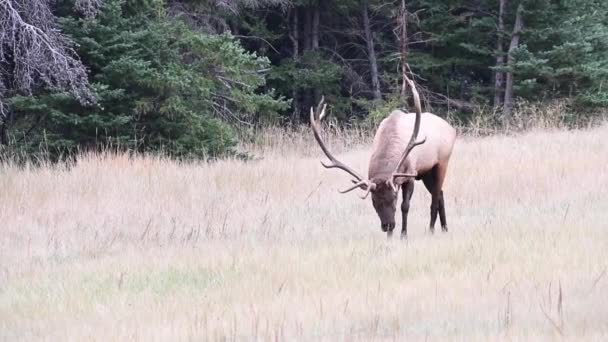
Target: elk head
{"points": [[384, 191]]}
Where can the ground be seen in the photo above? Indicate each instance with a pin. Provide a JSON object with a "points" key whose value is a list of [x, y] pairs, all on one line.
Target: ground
{"points": [[133, 248]]}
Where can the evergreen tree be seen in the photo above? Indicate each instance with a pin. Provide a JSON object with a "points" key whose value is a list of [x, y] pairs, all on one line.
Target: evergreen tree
{"points": [[564, 52], [160, 86]]}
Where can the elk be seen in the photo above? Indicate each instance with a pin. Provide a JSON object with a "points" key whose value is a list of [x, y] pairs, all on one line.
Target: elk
{"points": [[398, 158]]}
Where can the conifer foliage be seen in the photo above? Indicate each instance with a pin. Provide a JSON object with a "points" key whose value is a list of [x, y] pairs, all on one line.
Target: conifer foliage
{"points": [[179, 76]]}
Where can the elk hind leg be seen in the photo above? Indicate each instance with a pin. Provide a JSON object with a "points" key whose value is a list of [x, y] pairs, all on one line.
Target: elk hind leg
{"points": [[434, 183], [444, 224], [430, 181], [441, 171]]}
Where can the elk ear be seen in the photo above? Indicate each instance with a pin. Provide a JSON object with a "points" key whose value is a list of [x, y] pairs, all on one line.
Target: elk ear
{"points": [[391, 184], [394, 184], [364, 186], [406, 174], [371, 186]]}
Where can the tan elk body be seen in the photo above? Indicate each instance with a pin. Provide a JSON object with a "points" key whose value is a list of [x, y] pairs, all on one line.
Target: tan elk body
{"points": [[393, 135], [398, 159]]}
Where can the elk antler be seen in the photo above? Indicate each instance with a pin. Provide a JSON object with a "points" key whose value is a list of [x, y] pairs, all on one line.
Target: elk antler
{"points": [[315, 123], [412, 143]]}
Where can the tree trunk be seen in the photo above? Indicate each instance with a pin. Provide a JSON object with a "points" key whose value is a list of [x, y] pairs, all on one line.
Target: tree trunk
{"points": [[312, 18], [3, 133], [371, 52], [508, 103], [5, 122], [500, 58], [295, 41], [308, 28], [403, 45], [234, 26], [316, 17]]}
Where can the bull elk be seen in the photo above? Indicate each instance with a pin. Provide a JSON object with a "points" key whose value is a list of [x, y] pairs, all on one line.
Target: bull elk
{"points": [[398, 158]]}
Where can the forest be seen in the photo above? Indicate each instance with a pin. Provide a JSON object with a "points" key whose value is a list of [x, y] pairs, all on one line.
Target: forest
{"points": [[192, 78]]}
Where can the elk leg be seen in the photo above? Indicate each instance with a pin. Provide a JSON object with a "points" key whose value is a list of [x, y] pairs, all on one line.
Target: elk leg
{"points": [[444, 224], [408, 190], [434, 211], [430, 182]]}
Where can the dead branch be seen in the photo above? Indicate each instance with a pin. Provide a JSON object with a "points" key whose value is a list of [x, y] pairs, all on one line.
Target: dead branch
{"points": [[34, 52]]}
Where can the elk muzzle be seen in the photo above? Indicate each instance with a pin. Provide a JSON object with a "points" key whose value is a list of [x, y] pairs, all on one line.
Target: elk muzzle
{"points": [[387, 227]]}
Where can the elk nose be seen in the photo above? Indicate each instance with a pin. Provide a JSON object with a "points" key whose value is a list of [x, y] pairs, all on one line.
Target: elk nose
{"points": [[387, 227]]}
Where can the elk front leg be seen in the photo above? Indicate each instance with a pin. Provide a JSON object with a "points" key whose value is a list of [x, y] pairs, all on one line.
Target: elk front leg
{"points": [[408, 190]]}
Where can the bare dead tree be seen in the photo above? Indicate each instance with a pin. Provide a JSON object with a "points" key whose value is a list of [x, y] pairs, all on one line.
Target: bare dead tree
{"points": [[34, 53]]}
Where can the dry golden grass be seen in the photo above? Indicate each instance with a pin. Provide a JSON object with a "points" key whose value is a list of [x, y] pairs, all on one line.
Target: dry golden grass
{"points": [[123, 248]]}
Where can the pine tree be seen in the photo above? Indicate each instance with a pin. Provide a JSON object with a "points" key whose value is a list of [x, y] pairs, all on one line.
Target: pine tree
{"points": [[160, 85]]}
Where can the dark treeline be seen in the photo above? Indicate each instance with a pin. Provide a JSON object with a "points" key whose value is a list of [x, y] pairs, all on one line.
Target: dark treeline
{"points": [[180, 76]]}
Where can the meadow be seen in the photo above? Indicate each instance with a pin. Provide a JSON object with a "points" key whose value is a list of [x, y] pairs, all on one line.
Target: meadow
{"points": [[121, 247]]}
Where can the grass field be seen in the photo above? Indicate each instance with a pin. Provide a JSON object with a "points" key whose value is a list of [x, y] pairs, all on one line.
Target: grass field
{"points": [[132, 248]]}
